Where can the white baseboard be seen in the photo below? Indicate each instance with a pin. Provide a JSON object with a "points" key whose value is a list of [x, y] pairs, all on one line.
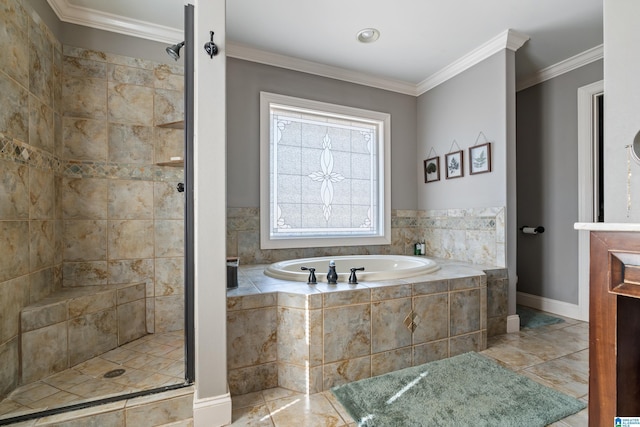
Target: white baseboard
{"points": [[560, 308], [513, 323], [212, 411]]}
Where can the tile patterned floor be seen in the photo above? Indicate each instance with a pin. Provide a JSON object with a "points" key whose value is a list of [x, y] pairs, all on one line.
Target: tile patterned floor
{"points": [[555, 355], [152, 361]]}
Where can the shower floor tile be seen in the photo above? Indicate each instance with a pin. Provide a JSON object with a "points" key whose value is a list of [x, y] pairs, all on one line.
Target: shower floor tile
{"points": [[152, 361], [562, 364]]}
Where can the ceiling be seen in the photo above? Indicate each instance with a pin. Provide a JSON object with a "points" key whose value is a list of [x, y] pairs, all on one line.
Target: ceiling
{"points": [[419, 38]]}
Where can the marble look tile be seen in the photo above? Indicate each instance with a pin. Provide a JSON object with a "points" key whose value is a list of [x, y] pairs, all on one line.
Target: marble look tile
{"points": [[431, 351], [132, 322], [80, 67], [347, 332], [50, 344], [56, 400], [94, 387], [92, 334], [104, 419], [42, 244], [390, 292], [66, 379], [78, 52], [41, 75], [84, 198], [168, 203], [169, 278], [14, 191], [465, 312], [130, 239], [248, 400], [30, 393], [130, 75], [389, 361], [169, 238], [168, 106], [14, 116], [465, 343], [90, 302], [496, 326], [14, 48], [130, 293], [252, 378], [88, 273], [300, 378], [481, 246], [292, 331], [168, 78], [168, 143], [430, 287], [130, 270], [38, 317], [308, 411], [387, 328], [148, 362], [346, 371], [497, 297], [251, 301], [251, 337], [251, 416], [41, 127], [130, 199], [335, 299], [9, 370], [433, 311], [130, 104], [130, 144], [461, 283], [41, 194], [85, 240], [84, 98], [169, 313], [84, 139], [14, 249]]}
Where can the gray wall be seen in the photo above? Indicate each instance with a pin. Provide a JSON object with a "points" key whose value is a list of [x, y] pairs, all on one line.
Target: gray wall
{"points": [[547, 183], [103, 41], [622, 120], [246, 79], [459, 109]]}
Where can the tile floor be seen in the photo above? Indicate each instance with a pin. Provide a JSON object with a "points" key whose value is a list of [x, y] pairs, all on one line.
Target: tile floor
{"points": [[152, 361], [555, 355]]}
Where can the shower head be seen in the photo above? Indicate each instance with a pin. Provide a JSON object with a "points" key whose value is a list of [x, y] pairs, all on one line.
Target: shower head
{"points": [[174, 51]]}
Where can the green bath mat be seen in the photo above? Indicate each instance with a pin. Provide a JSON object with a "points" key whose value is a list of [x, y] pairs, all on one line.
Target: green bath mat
{"points": [[530, 318], [465, 390]]}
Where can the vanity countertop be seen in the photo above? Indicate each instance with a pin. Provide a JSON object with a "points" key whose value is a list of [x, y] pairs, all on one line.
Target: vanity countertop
{"points": [[607, 226]]}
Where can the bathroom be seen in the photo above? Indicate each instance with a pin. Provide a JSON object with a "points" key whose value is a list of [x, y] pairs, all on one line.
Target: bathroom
{"points": [[481, 237]]}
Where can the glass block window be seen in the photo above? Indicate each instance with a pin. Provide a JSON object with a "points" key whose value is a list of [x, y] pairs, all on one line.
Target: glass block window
{"points": [[324, 176]]}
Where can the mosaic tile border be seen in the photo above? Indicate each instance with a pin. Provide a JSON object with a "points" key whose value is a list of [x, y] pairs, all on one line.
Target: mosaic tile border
{"points": [[25, 154]]}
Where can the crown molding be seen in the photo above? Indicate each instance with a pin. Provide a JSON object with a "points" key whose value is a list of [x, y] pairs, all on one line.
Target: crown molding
{"points": [[569, 64], [509, 39], [67, 12], [247, 53]]}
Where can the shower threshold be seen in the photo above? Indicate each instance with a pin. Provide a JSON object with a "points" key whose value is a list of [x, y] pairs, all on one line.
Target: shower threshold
{"points": [[153, 361]]}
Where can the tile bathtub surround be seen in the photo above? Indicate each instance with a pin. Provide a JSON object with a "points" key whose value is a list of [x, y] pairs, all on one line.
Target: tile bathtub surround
{"points": [[316, 337], [472, 235]]}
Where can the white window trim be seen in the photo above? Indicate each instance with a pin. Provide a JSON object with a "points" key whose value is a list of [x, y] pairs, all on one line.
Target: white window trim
{"points": [[266, 242]]}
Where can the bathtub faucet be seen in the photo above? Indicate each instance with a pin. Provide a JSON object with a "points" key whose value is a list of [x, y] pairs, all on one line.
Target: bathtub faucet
{"points": [[353, 280], [332, 276], [312, 275]]}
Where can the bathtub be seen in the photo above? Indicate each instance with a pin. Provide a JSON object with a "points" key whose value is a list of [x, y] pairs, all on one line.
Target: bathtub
{"points": [[376, 267]]}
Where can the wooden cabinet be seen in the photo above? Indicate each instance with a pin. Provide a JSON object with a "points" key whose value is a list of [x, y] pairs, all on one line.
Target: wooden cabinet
{"points": [[614, 326]]}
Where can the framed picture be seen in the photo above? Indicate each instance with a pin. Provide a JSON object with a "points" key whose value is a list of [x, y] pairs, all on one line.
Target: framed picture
{"points": [[454, 164], [432, 169], [480, 158]]}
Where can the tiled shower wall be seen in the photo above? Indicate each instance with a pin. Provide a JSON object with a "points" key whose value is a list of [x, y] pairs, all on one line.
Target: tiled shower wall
{"points": [[81, 199], [473, 235]]}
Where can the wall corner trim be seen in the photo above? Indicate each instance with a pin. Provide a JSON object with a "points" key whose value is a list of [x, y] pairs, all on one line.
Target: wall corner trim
{"points": [[513, 324], [212, 411], [508, 39], [580, 60]]}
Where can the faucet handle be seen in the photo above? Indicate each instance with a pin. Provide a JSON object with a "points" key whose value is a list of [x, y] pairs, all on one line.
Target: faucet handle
{"points": [[353, 280], [312, 275]]}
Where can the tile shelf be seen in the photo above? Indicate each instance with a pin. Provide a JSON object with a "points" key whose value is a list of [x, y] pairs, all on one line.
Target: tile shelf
{"points": [[172, 125]]}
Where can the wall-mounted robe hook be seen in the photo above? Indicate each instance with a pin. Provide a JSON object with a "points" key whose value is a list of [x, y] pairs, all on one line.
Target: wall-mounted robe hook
{"points": [[210, 47], [532, 230]]}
